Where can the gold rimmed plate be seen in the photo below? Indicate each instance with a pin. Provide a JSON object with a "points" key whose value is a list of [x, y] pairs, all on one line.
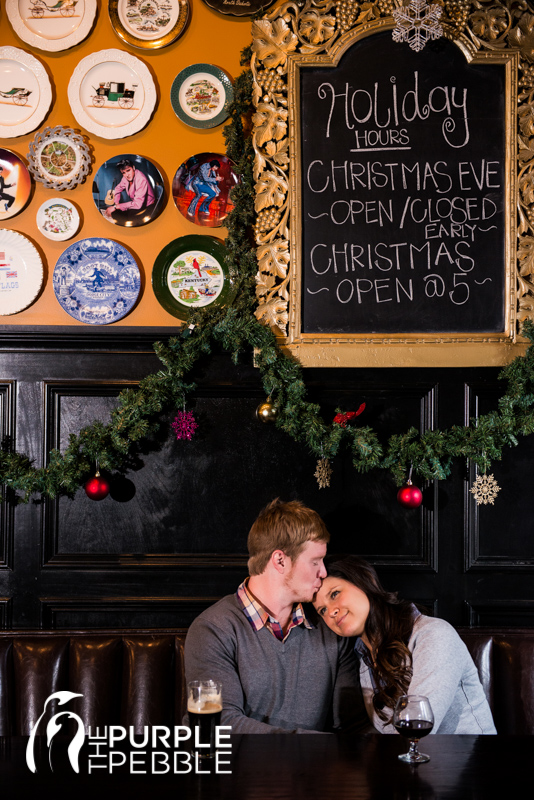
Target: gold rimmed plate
{"points": [[149, 24]]}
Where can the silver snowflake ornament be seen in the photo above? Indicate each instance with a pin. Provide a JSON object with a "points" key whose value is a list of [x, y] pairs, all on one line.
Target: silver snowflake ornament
{"points": [[417, 23], [485, 489]]}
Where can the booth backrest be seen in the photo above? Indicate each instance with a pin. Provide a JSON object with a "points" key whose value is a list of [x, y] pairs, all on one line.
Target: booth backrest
{"points": [[505, 662], [128, 678], [136, 678]]}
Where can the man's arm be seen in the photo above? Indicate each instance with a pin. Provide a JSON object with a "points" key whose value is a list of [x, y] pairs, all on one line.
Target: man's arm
{"points": [[350, 715], [118, 190], [210, 655], [140, 191]]}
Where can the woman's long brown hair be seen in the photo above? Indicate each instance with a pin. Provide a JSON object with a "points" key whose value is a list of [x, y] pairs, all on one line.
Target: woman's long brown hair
{"points": [[388, 629]]}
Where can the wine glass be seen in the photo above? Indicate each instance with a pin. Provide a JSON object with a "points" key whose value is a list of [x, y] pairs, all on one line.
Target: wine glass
{"points": [[413, 719]]}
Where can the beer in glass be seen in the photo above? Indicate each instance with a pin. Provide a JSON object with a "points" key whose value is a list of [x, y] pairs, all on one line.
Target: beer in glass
{"points": [[204, 706]]}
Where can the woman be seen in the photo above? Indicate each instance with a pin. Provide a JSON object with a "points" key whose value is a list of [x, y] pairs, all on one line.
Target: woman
{"points": [[401, 651]]}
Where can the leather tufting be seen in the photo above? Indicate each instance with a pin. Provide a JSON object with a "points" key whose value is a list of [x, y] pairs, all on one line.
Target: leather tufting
{"points": [[124, 677], [137, 678], [505, 663]]}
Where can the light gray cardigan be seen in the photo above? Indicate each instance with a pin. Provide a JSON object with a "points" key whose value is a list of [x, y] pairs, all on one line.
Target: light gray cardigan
{"points": [[443, 671]]}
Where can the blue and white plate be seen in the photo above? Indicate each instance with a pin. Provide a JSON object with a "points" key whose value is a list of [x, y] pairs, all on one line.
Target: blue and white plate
{"points": [[96, 281]]}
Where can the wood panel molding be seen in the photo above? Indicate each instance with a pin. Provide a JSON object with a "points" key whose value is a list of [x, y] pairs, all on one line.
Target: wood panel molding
{"points": [[5, 613], [27, 339], [477, 525], [7, 508], [125, 612], [500, 613]]}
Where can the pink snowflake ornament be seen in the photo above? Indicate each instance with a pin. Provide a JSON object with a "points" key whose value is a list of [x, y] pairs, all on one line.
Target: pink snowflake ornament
{"points": [[184, 425]]}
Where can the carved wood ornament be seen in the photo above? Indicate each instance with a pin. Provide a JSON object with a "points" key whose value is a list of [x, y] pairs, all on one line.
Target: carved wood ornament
{"points": [[317, 33]]}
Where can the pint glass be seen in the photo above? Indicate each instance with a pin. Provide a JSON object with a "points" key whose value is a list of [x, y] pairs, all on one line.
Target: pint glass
{"points": [[204, 706]]}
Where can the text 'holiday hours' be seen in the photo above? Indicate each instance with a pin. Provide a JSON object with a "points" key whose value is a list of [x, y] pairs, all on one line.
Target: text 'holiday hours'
{"points": [[403, 191]]}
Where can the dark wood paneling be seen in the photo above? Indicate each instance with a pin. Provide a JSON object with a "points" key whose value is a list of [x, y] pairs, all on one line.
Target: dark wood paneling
{"points": [[500, 535], [361, 510], [121, 612], [501, 614], [169, 516], [171, 537], [5, 613], [7, 416]]}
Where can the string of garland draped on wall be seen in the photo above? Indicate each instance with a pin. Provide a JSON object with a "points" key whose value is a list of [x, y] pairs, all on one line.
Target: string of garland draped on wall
{"points": [[139, 412]]}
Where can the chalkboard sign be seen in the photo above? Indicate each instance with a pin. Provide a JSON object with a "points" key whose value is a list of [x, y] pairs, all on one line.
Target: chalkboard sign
{"points": [[403, 191]]}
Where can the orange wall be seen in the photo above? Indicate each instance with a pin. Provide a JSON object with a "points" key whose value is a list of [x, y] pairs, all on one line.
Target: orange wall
{"points": [[210, 38]]}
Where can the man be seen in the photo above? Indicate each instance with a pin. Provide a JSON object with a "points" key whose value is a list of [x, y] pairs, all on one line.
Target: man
{"points": [[205, 184], [137, 188], [6, 199], [280, 672]]}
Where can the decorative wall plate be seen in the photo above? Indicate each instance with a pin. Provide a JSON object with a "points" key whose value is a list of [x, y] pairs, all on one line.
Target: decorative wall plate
{"points": [[59, 158], [149, 24], [15, 184], [21, 272], [25, 92], [112, 94], [128, 190], [96, 281], [190, 272], [201, 189], [239, 8], [51, 25], [201, 95], [58, 219]]}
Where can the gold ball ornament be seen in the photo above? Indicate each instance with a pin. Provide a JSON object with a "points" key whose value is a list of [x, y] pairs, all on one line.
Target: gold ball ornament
{"points": [[267, 412]]}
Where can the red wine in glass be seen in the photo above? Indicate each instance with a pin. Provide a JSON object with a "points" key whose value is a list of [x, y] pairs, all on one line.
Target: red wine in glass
{"points": [[413, 719], [414, 729]]}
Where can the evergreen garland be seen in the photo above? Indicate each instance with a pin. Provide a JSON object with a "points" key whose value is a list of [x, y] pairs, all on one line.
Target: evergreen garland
{"points": [[139, 411]]}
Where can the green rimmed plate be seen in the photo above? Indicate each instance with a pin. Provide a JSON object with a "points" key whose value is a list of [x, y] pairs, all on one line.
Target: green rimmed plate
{"points": [[201, 95], [190, 273]]}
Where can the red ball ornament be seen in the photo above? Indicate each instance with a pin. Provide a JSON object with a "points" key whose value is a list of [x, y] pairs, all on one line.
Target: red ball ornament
{"points": [[410, 496], [97, 487]]}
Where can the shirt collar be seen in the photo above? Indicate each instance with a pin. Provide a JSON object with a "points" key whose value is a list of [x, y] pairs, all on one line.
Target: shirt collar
{"points": [[259, 618]]}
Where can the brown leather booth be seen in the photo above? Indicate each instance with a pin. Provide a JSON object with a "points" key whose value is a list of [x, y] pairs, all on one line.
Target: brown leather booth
{"points": [[136, 678], [505, 662], [128, 678]]}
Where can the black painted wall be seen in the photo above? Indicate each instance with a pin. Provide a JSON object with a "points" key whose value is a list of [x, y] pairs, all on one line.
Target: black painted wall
{"points": [[171, 537]]}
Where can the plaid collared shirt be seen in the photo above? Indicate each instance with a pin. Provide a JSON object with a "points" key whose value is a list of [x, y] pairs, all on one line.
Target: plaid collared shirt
{"points": [[260, 618]]}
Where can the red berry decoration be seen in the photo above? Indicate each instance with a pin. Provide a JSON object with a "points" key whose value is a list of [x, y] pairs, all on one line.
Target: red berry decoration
{"points": [[409, 496], [97, 488]]}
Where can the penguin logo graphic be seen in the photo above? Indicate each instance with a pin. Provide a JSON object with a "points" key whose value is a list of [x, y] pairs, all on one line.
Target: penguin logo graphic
{"points": [[54, 727]]}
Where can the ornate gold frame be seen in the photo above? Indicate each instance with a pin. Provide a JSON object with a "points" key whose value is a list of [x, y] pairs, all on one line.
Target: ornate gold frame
{"points": [[318, 32]]}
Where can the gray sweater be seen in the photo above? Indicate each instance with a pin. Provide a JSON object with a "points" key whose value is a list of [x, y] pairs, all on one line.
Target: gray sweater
{"points": [[306, 684], [443, 671]]}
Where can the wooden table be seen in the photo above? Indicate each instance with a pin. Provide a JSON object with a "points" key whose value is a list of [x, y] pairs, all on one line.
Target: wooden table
{"points": [[305, 767]]}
